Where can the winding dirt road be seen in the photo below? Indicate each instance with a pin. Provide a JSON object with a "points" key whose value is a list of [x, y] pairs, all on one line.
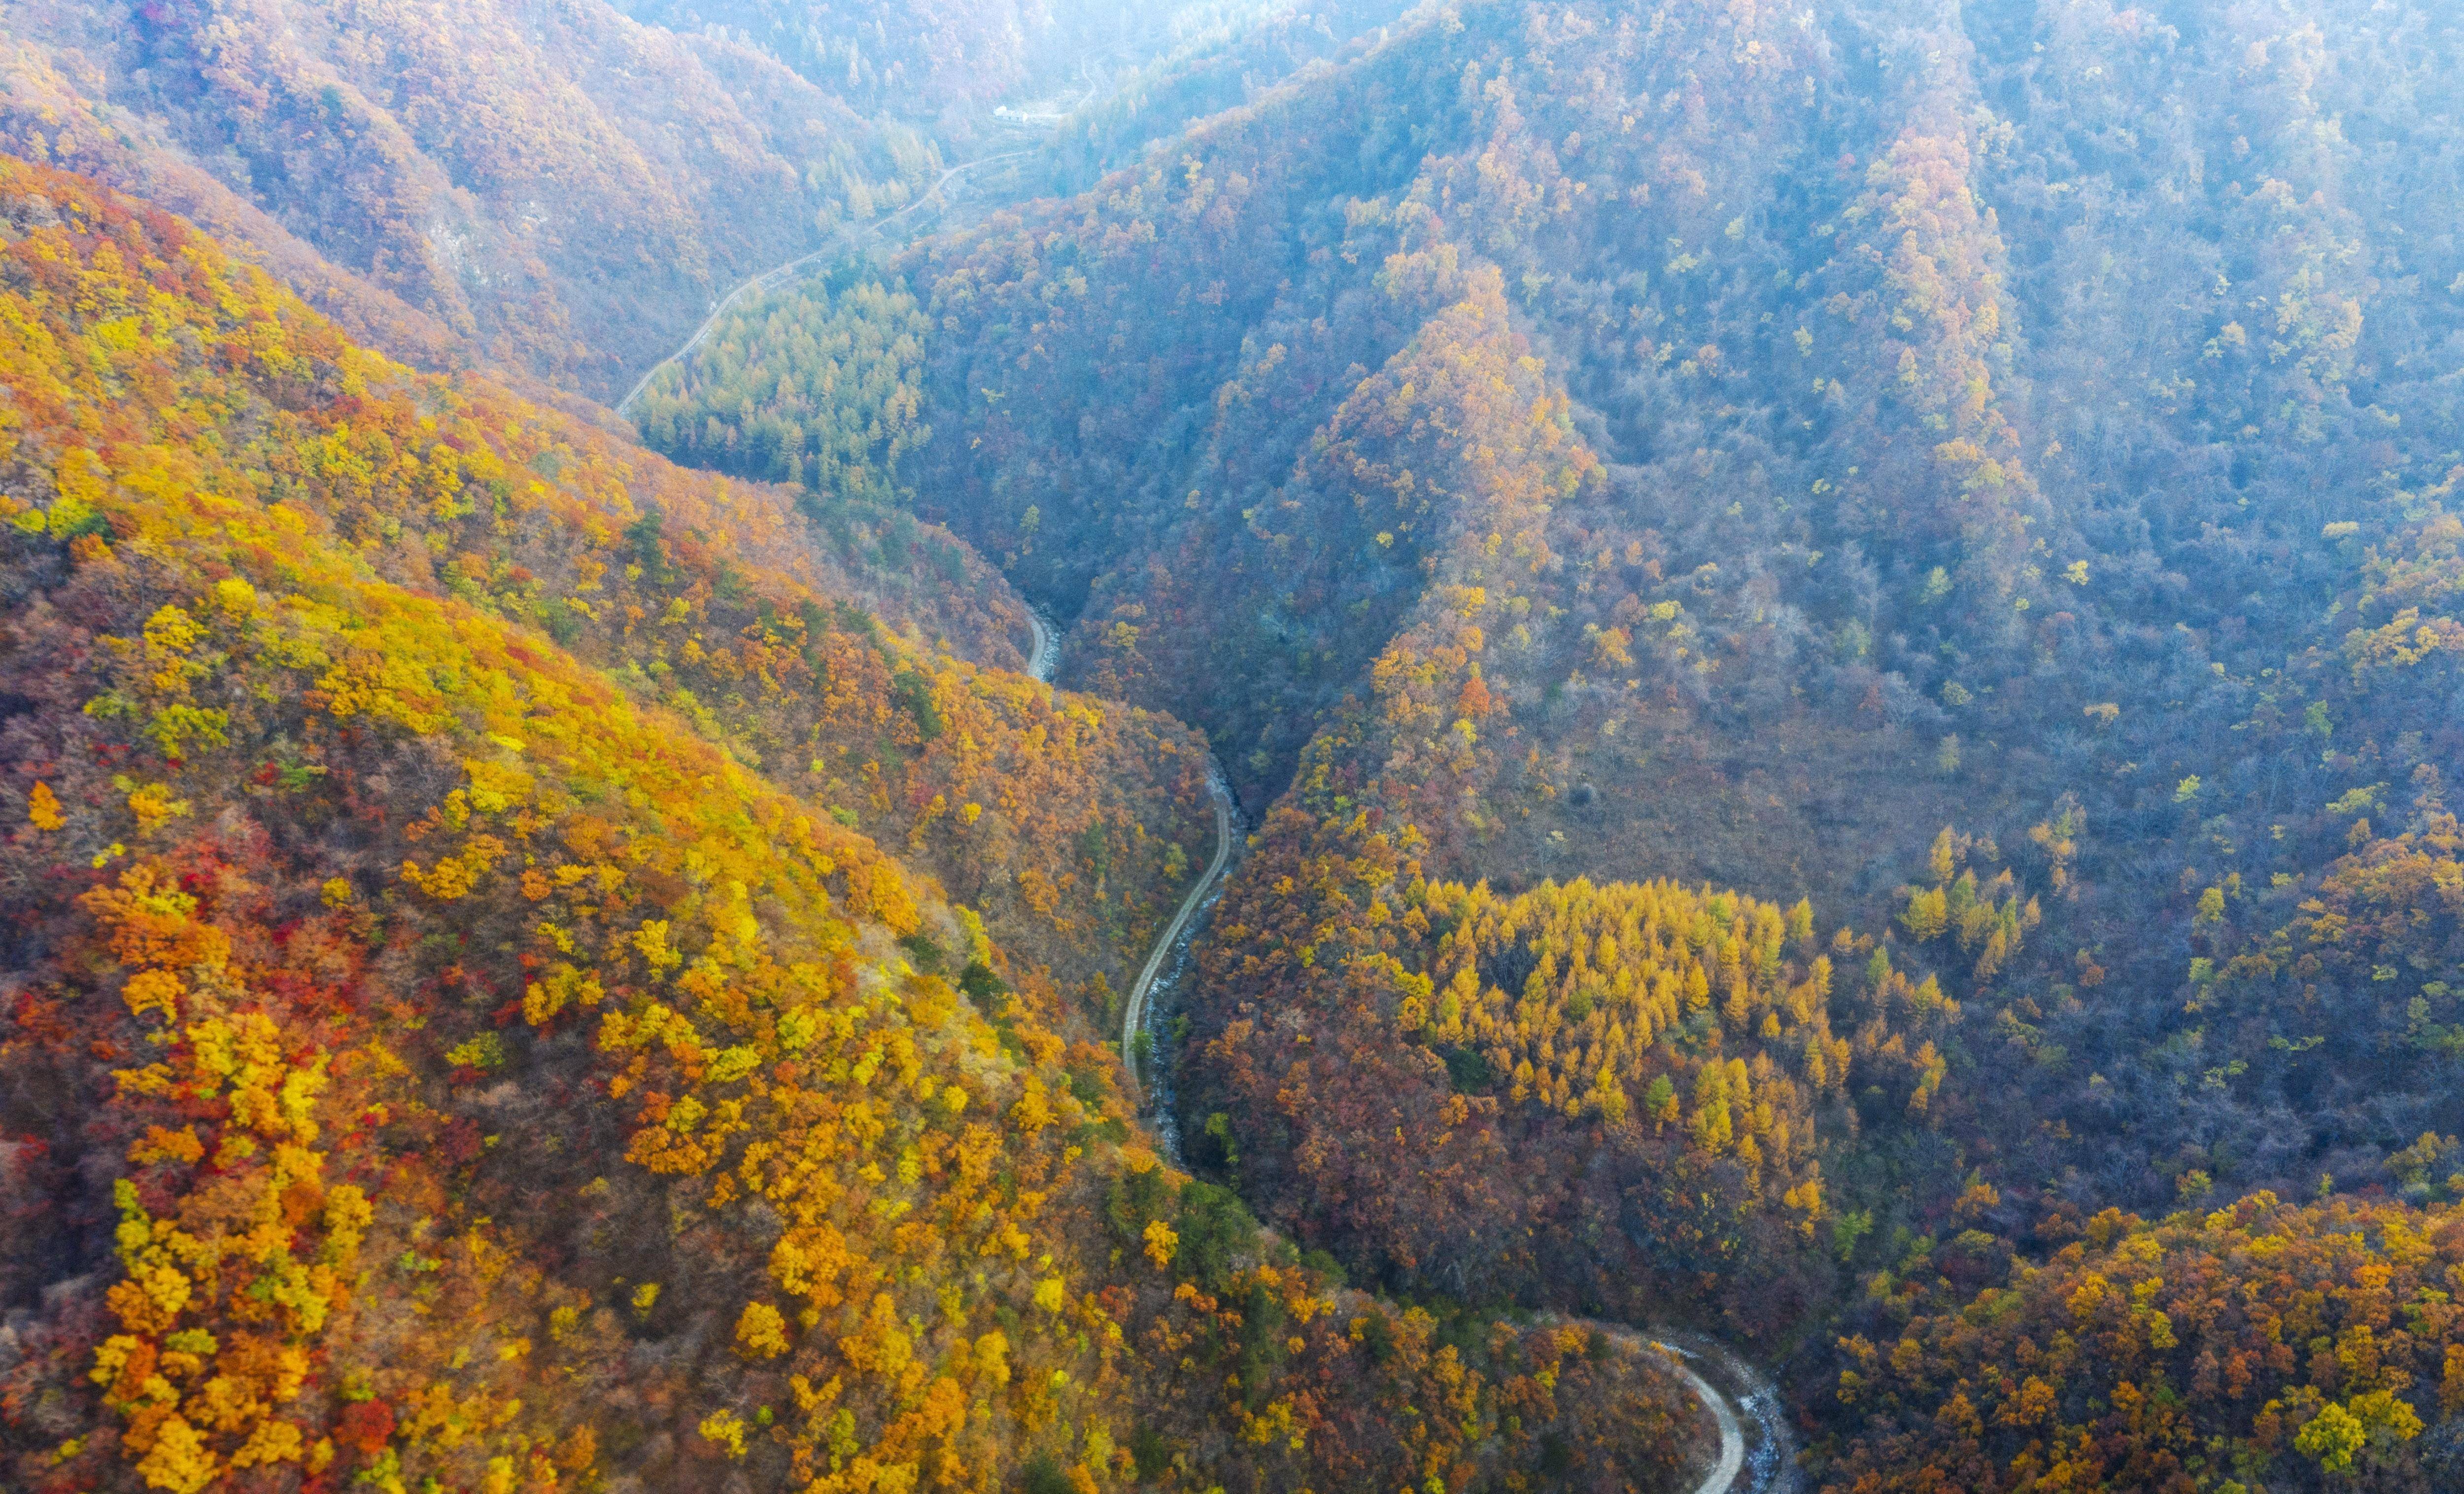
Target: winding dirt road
{"points": [[1043, 656], [1757, 1452], [1043, 648], [1732, 1437]]}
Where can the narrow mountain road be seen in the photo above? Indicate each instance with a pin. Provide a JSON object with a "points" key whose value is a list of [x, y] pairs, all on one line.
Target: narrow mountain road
{"points": [[1766, 1464], [1133, 1019], [1762, 1462], [1056, 110], [771, 279], [1044, 657]]}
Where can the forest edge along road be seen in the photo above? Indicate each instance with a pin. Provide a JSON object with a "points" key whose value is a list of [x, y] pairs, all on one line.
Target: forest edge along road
{"points": [[1043, 656], [1046, 655]]}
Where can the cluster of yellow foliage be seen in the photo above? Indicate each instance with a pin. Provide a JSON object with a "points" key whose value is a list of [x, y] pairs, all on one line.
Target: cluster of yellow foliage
{"points": [[1986, 919], [1627, 985], [226, 1296], [2272, 1337]]}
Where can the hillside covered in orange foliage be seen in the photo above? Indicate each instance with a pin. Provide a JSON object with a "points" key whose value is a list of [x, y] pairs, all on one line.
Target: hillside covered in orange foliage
{"points": [[467, 1031]]}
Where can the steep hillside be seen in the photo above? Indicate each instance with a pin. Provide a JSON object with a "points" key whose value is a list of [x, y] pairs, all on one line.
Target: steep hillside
{"points": [[1927, 478], [1836, 626], [2262, 1346], [1610, 1093], [1067, 824], [1210, 58], [562, 191], [556, 191], [438, 1057], [916, 60], [1149, 68]]}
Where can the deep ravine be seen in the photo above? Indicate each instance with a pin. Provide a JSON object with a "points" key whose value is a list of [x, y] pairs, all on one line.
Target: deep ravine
{"points": [[1757, 1454]]}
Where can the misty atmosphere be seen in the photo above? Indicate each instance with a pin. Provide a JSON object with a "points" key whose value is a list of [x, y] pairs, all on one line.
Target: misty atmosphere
{"points": [[1082, 746]]}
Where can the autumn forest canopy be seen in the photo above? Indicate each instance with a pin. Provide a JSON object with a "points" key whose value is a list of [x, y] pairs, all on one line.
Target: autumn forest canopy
{"points": [[877, 746]]}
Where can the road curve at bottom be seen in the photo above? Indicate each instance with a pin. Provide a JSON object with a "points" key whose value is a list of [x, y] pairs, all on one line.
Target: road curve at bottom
{"points": [[1043, 649], [1732, 1437], [1756, 1459], [1135, 1016]]}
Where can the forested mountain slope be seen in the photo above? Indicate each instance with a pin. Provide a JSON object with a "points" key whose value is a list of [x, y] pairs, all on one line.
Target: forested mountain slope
{"points": [[446, 1049], [553, 190], [1876, 537], [1837, 625], [897, 57], [1985, 469], [560, 190]]}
